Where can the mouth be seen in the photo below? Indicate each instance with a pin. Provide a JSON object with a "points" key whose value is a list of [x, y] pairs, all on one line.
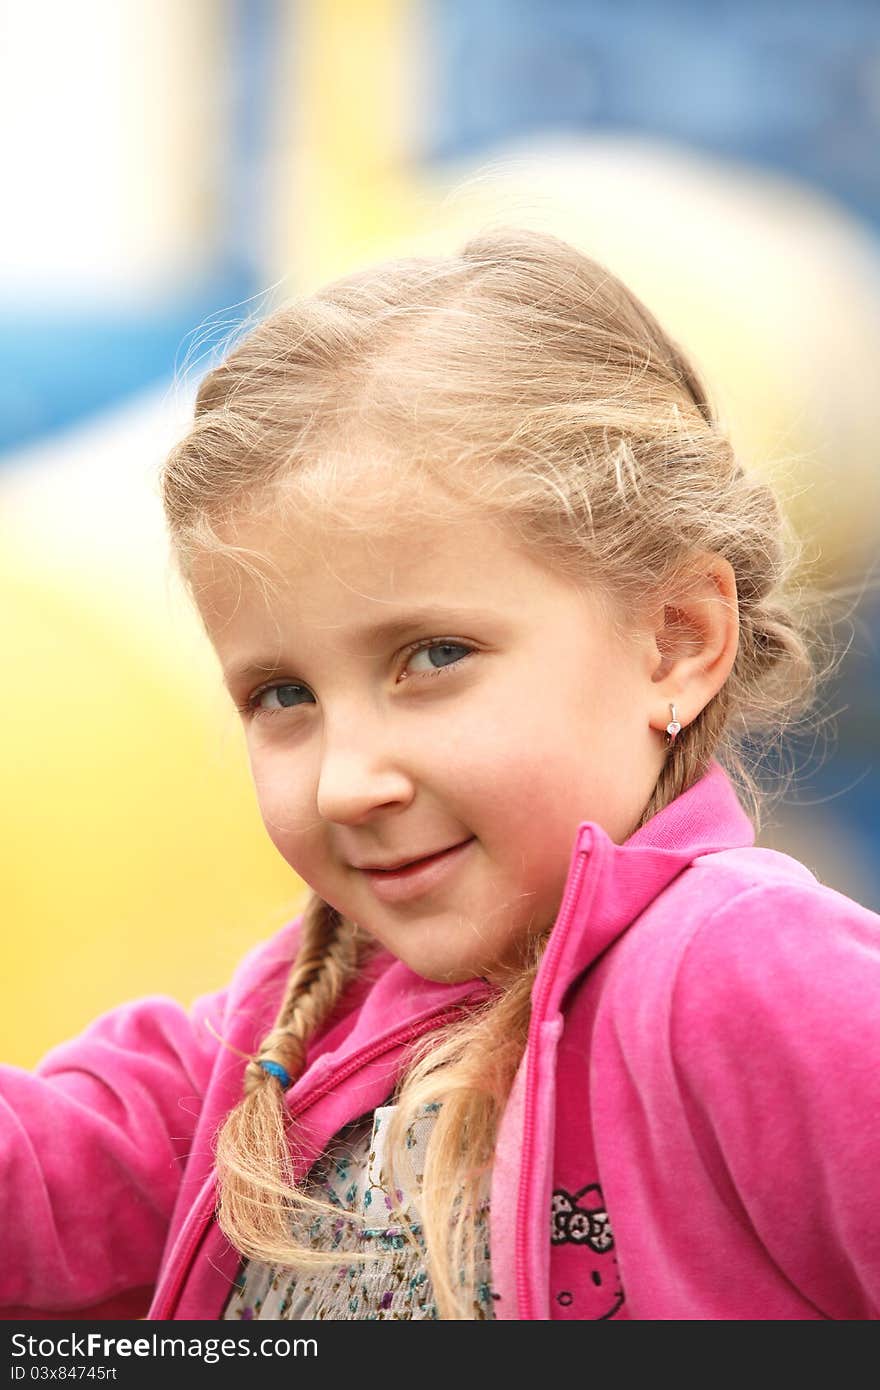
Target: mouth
{"points": [[416, 877], [402, 864]]}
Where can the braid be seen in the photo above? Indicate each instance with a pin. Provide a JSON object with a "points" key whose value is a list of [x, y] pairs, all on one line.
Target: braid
{"points": [[325, 962], [253, 1158]]}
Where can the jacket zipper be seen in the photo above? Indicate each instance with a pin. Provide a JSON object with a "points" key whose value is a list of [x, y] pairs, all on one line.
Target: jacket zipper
{"points": [[525, 1305], [201, 1226]]}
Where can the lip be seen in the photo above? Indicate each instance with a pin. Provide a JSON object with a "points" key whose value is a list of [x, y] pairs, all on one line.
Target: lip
{"points": [[397, 885], [405, 863]]}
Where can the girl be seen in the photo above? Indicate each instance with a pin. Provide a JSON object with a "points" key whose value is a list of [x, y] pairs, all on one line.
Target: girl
{"points": [[552, 1037]]}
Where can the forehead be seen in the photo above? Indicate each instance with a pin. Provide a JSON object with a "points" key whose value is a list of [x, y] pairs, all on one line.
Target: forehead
{"points": [[379, 540], [288, 562]]}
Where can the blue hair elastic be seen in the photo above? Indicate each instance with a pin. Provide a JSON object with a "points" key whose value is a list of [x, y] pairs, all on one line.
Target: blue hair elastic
{"points": [[280, 1073]]}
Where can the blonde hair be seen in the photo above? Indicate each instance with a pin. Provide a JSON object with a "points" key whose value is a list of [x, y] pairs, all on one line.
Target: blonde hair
{"points": [[534, 387]]}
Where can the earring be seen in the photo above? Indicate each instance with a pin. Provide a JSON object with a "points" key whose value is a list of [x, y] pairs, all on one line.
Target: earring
{"points": [[673, 729]]}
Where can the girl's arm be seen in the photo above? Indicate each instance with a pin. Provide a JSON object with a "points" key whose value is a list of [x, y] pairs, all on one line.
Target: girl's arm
{"points": [[776, 1039], [93, 1146]]}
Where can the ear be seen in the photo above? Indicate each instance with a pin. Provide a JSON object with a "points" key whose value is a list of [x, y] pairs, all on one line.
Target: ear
{"points": [[695, 641]]}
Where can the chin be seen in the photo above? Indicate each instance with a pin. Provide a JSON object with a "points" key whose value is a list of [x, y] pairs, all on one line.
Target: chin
{"points": [[439, 968], [442, 969], [442, 974]]}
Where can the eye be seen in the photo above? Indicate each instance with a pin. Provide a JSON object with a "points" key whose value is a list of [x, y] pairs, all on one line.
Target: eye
{"points": [[448, 654], [274, 698]]}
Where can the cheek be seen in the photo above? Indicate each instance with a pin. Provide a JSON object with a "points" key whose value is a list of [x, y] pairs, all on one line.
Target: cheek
{"points": [[284, 810], [518, 795]]}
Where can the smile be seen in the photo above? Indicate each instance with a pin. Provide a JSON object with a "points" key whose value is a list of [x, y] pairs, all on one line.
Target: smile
{"points": [[397, 885]]}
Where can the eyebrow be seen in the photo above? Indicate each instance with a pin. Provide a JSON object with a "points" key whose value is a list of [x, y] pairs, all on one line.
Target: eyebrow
{"points": [[244, 672]]}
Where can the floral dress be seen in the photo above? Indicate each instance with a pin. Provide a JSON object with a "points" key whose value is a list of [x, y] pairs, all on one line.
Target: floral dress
{"points": [[353, 1177]]}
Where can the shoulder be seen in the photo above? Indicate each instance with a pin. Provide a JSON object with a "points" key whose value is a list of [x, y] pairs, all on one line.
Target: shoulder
{"points": [[745, 903], [245, 1009], [249, 1005], [265, 968], [746, 943], [780, 947], [773, 1020]]}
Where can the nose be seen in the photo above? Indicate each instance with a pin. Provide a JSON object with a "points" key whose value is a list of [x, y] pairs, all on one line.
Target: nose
{"points": [[360, 772]]}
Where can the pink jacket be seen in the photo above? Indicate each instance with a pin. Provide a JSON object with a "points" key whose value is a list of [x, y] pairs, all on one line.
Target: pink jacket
{"points": [[694, 1131]]}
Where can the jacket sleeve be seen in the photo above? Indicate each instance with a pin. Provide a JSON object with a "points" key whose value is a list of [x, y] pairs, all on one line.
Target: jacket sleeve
{"points": [[776, 1038], [92, 1150]]}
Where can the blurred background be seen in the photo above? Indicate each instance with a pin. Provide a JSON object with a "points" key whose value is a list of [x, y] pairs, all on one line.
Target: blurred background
{"points": [[173, 170]]}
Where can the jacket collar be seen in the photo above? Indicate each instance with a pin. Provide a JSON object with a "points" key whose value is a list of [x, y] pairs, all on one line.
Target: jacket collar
{"points": [[609, 885]]}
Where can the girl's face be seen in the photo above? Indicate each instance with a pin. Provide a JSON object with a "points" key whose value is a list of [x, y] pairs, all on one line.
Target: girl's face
{"points": [[407, 692]]}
